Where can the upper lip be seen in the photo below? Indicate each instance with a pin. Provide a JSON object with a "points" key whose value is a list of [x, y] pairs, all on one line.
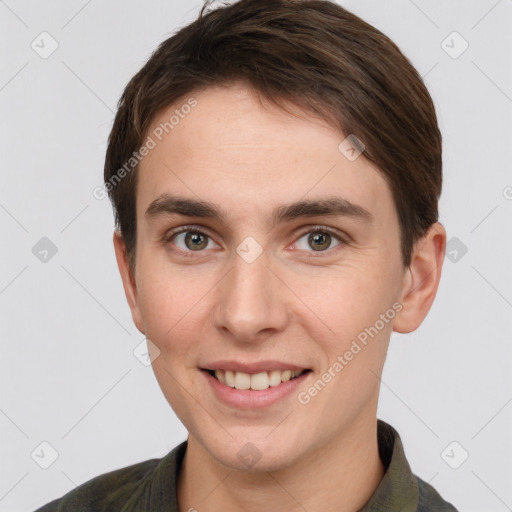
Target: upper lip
{"points": [[254, 367]]}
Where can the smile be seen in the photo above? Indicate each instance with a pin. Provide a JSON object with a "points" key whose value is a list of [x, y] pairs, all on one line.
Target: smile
{"points": [[257, 381]]}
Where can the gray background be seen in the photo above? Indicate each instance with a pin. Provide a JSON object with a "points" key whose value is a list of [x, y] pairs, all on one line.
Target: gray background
{"points": [[69, 376]]}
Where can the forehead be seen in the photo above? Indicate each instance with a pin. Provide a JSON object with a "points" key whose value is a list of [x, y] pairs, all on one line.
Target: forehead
{"points": [[244, 153]]}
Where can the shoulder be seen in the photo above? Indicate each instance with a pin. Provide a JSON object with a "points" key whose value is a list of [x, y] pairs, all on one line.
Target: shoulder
{"points": [[106, 490], [122, 490], [401, 489], [429, 499]]}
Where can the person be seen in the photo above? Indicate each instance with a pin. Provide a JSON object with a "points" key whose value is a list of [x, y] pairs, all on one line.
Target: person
{"points": [[275, 169]]}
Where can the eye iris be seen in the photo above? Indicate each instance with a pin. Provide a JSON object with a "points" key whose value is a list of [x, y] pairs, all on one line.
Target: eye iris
{"points": [[319, 241], [195, 241]]}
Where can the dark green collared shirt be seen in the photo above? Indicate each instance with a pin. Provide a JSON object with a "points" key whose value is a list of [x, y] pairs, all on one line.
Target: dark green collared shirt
{"points": [[150, 486]]}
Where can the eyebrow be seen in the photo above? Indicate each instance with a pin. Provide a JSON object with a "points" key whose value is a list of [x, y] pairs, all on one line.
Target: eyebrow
{"points": [[167, 204]]}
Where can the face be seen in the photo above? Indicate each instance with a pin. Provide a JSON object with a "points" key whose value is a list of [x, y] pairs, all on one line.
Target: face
{"points": [[264, 253]]}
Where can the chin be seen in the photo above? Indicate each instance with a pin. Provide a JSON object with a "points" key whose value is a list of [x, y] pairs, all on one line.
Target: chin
{"points": [[255, 456]]}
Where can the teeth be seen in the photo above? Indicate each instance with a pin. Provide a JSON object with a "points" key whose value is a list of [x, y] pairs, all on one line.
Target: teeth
{"points": [[275, 378], [260, 381], [230, 378], [242, 380], [257, 381]]}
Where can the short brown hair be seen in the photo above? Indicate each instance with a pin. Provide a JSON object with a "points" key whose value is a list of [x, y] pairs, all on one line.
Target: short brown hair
{"points": [[318, 56]]}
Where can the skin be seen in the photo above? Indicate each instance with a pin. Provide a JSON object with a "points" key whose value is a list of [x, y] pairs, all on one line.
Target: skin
{"points": [[293, 303]]}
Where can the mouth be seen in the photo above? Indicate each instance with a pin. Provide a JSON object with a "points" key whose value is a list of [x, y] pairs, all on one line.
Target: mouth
{"points": [[255, 381]]}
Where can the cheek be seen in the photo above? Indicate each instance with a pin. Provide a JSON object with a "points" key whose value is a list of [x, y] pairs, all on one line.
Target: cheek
{"points": [[173, 317], [358, 309], [349, 299], [172, 303], [357, 306]]}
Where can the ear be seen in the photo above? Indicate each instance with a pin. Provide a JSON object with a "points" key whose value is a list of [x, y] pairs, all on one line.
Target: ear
{"points": [[129, 284], [421, 279]]}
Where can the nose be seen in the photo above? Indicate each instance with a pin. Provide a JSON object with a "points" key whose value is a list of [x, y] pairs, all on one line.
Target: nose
{"points": [[250, 302]]}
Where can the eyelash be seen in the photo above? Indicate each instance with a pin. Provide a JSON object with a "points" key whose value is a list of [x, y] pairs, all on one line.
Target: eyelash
{"points": [[201, 231], [185, 229], [323, 229]]}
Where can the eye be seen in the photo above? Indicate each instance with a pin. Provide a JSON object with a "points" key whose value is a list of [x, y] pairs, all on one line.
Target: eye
{"points": [[192, 241], [318, 240]]}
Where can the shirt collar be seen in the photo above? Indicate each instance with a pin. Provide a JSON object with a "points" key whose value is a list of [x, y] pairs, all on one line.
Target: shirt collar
{"points": [[398, 489]]}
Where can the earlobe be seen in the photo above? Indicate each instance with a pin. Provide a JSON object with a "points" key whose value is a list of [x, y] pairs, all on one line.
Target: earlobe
{"points": [[421, 279], [129, 285]]}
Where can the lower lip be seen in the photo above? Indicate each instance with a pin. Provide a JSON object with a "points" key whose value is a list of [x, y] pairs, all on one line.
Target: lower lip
{"points": [[253, 399]]}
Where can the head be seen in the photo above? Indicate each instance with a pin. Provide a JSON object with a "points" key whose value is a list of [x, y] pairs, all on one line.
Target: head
{"points": [[275, 169]]}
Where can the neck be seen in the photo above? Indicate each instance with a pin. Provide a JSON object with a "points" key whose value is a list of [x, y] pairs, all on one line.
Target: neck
{"points": [[339, 476]]}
